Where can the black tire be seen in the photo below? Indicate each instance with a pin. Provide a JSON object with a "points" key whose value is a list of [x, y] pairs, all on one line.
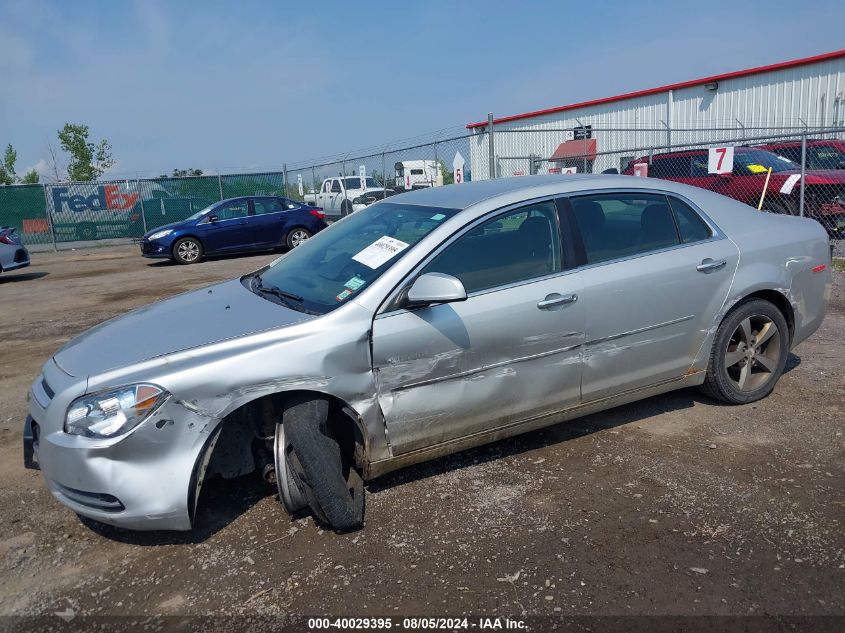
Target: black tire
{"points": [[332, 487], [346, 208], [187, 250], [736, 338], [296, 236], [86, 231]]}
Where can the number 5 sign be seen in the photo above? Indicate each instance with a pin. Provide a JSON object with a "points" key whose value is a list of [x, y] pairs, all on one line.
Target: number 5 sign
{"points": [[720, 160]]}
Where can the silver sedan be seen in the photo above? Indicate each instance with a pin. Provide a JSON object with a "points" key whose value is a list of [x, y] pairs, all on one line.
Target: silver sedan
{"points": [[436, 321]]}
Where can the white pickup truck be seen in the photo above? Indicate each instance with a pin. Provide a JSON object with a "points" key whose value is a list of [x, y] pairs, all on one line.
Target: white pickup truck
{"points": [[342, 196]]}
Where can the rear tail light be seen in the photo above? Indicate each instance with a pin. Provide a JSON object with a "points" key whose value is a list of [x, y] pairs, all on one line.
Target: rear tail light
{"points": [[820, 268], [318, 214]]}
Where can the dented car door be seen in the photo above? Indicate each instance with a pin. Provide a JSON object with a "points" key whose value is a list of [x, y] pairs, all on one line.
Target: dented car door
{"points": [[511, 351]]}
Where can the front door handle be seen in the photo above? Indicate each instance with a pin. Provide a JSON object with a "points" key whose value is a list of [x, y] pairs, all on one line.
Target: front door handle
{"points": [[709, 265], [556, 299]]}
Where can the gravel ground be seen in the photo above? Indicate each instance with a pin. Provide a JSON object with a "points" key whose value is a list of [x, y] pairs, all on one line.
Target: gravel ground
{"points": [[674, 505]]}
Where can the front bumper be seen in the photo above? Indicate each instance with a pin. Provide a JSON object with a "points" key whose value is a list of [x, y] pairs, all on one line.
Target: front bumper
{"points": [[154, 250], [145, 480], [19, 260]]}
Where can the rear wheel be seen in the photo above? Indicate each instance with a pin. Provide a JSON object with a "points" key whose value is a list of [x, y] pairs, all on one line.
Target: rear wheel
{"points": [[187, 250], [748, 354], [346, 208], [296, 237]]}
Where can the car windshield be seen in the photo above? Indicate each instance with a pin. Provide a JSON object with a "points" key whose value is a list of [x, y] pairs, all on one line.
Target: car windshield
{"points": [[758, 161], [201, 212], [340, 262]]}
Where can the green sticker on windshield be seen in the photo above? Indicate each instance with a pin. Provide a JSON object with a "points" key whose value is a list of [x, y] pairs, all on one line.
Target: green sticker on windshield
{"points": [[355, 283], [438, 217], [343, 295]]}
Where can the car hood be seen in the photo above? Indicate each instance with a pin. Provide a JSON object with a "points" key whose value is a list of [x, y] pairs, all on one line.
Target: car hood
{"points": [[200, 317], [172, 225]]}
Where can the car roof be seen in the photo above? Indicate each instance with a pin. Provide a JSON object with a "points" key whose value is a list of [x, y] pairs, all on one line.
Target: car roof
{"points": [[467, 194]]}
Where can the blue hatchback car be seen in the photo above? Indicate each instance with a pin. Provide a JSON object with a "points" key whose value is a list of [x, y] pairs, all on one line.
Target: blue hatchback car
{"points": [[235, 225]]}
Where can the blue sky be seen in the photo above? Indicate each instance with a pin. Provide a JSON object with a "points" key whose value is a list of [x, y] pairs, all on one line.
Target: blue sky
{"points": [[250, 85]]}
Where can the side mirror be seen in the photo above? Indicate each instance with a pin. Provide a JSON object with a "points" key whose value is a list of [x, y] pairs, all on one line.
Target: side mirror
{"points": [[435, 288], [213, 218]]}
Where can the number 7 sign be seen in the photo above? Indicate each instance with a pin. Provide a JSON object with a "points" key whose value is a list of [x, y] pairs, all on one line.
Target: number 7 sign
{"points": [[720, 160]]}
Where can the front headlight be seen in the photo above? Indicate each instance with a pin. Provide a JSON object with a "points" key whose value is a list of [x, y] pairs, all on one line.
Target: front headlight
{"points": [[357, 201], [160, 234], [114, 412]]}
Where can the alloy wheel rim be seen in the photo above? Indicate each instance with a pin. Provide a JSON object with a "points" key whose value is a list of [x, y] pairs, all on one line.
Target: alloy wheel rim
{"points": [[753, 353], [189, 251], [298, 238]]}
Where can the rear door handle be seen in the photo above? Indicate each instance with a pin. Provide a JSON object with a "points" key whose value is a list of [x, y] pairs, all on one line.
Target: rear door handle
{"points": [[555, 299], [709, 265]]}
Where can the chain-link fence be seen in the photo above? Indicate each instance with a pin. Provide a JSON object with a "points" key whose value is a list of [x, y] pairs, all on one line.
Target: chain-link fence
{"points": [[797, 170], [83, 211], [800, 171]]}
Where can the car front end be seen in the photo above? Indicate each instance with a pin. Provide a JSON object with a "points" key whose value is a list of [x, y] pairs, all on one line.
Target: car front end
{"points": [[13, 254], [158, 243], [123, 420]]}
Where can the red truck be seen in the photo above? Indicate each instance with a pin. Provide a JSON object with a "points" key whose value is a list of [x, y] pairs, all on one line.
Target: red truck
{"points": [[824, 196]]}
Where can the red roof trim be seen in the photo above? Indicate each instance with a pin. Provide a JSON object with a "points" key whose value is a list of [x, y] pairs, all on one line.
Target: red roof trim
{"points": [[685, 84]]}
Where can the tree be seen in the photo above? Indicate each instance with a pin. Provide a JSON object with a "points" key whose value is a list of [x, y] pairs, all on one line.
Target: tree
{"points": [[183, 173], [87, 160], [448, 176], [7, 168], [31, 178]]}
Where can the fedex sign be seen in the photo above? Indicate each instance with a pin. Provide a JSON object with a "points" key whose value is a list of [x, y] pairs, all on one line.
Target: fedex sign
{"points": [[104, 198]]}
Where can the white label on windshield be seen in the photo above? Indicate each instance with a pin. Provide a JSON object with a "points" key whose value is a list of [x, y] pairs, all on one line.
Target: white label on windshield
{"points": [[789, 184], [380, 251]]}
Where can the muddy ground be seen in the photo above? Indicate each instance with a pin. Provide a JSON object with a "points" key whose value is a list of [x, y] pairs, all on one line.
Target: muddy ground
{"points": [[674, 505]]}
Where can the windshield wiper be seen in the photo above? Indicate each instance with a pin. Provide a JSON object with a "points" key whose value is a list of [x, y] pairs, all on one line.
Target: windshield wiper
{"points": [[288, 298], [272, 290]]}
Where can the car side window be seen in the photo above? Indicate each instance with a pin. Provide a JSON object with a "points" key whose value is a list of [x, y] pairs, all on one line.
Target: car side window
{"points": [[690, 225], [618, 225], [515, 246], [263, 207], [232, 210], [335, 186]]}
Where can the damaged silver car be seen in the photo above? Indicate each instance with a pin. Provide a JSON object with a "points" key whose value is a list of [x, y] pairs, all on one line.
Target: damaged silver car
{"points": [[436, 321]]}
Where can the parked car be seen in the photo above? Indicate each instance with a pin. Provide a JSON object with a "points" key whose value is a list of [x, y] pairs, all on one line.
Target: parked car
{"points": [[821, 154], [824, 197], [342, 196], [441, 320], [13, 253], [235, 225]]}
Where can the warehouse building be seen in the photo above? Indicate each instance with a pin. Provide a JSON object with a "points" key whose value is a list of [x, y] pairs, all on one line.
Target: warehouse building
{"points": [[741, 106]]}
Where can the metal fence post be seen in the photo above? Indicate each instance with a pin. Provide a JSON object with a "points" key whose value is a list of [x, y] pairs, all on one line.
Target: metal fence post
{"points": [[141, 198], [345, 198], [383, 172], [491, 147], [49, 218], [803, 169], [285, 176], [220, 185], [314, 179]]}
